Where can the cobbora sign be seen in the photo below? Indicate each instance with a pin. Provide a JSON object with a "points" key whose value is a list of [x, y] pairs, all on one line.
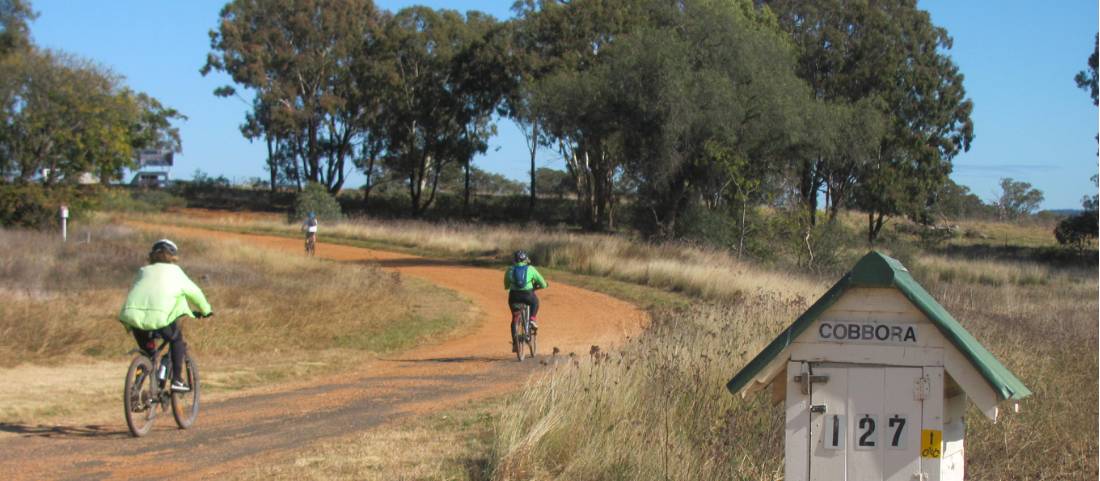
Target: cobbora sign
{"points": [[868, 331]]}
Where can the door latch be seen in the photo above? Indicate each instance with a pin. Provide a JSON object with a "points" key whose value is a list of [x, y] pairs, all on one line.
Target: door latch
{"points": [[817, 408], [806, 379]]}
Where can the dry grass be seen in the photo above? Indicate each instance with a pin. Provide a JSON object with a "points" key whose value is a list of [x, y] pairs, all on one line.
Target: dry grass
{"points": [[1027, 233], [656, 410], [277, 316], [1046, 334], [952, 270]]}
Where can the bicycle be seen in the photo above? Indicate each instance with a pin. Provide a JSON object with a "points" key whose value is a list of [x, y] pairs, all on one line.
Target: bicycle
{"points": [[521, 330], [311, 245], [149, 384]]}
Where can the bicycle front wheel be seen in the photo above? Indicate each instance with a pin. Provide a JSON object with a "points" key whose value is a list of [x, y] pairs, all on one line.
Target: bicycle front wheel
{"points": [[185, 405], [137, 396]]}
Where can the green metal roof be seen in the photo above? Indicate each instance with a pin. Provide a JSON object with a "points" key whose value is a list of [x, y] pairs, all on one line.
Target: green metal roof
{"points": [[878, 270]]}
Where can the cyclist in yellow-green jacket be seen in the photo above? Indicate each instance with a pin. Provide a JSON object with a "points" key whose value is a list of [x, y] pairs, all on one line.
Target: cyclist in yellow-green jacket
{"points": [[158, 300], [521, 279]]}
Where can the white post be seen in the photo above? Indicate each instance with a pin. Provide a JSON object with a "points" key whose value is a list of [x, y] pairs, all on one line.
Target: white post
{"points": [[64, 223]]}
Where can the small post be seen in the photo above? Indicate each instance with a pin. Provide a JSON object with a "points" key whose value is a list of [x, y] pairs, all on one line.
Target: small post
{"points": [[64, 223]]}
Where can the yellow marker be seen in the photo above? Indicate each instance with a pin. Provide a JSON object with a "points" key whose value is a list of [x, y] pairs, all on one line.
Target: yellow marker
{"points": [[931, 442]]}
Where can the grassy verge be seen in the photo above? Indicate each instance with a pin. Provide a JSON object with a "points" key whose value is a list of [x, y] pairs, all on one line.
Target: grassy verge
{"points": [[450, 445], [278, 317]]}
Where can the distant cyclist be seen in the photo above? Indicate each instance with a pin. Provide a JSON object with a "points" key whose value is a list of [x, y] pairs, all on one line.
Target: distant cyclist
{"points": [[521, 279], [310, 228], [157, 301]]}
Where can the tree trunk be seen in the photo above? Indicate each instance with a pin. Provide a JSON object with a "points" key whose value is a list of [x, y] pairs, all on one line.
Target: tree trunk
{"points": [[533, 146], [272, 163], [874, 225], [369, 185], [466, 191], [809, 185], [741, 231], [414, 195]]}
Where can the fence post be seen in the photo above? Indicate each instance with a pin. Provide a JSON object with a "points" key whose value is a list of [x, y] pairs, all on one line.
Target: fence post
{"points": [[64, 223]]}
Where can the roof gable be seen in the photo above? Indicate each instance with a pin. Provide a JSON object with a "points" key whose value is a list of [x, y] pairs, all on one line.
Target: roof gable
{"points": [[878, 270]]}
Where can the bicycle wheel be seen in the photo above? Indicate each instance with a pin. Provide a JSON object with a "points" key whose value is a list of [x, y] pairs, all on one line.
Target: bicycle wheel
{"points": [[185, 405], [137, 396], [517, 338]]}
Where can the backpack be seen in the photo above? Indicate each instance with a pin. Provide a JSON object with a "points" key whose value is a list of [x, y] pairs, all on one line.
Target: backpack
{"points": [[519, 277]]}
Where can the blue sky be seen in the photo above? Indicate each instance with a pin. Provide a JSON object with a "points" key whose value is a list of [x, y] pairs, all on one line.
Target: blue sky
{"points": [[1019, 59]]}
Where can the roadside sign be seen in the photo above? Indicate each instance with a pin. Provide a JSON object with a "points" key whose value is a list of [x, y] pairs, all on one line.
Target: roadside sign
{"points": [[155, 158]]}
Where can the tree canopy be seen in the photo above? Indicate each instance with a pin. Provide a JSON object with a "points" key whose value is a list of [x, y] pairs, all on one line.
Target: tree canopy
{"points": [[1086, 79], [655, 106]]}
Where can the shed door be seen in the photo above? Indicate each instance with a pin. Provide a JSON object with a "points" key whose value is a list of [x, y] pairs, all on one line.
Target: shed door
{"points": [[865, 423]]}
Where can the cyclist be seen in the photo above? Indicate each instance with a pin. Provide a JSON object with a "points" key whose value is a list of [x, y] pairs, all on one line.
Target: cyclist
{"points": [[310, 227], [157, 301], [521, 279]]}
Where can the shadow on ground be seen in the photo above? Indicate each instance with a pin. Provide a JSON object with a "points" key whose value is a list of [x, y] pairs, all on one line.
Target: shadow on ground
{"points": [[62, 432]]}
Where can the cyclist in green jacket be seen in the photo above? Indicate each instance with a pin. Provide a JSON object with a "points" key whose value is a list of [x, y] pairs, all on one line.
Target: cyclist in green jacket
{"points": [[158, 299], [521, 279]]}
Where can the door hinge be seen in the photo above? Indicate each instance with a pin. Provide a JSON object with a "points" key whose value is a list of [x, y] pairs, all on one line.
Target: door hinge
{"points": [[921, 389]]}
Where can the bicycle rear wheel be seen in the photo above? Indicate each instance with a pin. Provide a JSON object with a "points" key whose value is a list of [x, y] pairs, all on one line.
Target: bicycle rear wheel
{"points": [[137, 396], [517, 338], [185, 405]]}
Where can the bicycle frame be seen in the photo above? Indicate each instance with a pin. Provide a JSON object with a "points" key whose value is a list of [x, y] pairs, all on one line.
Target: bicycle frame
{"points": [[160, 356]]}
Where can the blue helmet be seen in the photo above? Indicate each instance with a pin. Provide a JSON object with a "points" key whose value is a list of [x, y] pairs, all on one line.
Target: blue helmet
{"points": [[312, 214], [519, 256]]}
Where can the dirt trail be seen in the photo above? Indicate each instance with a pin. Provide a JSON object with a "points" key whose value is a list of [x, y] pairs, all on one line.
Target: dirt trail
{"points": [[243, 431]]}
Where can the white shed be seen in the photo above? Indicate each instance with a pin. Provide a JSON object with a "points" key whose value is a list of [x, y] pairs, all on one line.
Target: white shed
{"points": [[875, 376]]}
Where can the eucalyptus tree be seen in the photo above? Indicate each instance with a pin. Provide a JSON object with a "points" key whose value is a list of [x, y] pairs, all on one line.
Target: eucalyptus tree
{"points": [[439, 96], [568, 96], [887, 55], [709, 103], [297, 57], [1017, 199], [687, 98]]}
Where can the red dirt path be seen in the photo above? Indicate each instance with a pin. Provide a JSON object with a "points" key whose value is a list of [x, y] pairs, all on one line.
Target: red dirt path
{"points": [[240, 432]]}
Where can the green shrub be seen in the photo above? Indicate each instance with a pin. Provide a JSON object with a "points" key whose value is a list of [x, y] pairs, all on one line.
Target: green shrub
{"points": [[315, 198], [36, 206], [711, 227], [1077, 230]]}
